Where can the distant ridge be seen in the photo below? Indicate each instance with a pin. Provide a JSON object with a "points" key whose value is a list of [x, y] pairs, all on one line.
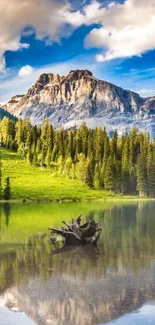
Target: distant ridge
{"points": [[79, 96]]}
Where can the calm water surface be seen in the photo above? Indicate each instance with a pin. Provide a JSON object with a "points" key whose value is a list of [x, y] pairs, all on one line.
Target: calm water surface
{"points": [[112, 284]]}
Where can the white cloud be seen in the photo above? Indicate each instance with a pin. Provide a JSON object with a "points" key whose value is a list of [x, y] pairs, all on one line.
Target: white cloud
{"points": [[3, 103], [47, 18], [146, 92], [2, 64], [127, 30], [91, 14], [25, 71], [50, 20]]}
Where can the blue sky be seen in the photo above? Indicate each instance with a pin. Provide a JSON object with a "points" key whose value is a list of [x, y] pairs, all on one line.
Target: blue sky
{"points": [[113, 39]]}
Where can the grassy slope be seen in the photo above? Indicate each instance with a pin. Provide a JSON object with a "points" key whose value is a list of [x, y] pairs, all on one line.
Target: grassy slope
{"points": [[34, 183]]}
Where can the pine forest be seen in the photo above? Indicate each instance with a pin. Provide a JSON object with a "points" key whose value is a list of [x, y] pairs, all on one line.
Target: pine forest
{"points": [[117, 164]]}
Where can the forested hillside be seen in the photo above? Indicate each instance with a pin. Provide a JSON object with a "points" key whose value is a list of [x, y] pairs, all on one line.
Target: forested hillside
{"points": [[121, 165], [4, 113]]}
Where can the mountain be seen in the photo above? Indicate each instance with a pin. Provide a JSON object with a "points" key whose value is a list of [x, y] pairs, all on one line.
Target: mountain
{"points": [[79, 96], [4, 113]]}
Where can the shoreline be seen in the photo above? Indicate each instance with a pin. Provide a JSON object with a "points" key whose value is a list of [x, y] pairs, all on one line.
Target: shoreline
{"points": [[25, 201]]}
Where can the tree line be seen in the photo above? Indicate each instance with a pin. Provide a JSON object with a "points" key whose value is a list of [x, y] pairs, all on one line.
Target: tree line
{"points": [[119, 164]]}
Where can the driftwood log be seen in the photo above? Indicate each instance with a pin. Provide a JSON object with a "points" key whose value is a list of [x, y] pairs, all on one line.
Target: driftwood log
{"points": [[77, 233]]}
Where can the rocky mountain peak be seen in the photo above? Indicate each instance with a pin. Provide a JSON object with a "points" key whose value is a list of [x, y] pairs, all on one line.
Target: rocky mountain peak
{"points": [[46, 78], [49, 80], [65, 100], [78, 74]]}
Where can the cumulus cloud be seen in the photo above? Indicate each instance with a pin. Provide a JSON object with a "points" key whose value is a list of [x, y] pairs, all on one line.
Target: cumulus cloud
{"points": [[127, 30], [25, 71], [91, 14], [2, 64], [45, 18], [48, 19]]}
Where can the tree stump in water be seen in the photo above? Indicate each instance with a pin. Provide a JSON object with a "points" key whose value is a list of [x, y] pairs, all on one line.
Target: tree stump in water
{"points": [[77, 233]]}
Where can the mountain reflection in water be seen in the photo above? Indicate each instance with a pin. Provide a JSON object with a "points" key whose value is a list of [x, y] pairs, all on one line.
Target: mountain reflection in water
{"points": [[80, 286]]}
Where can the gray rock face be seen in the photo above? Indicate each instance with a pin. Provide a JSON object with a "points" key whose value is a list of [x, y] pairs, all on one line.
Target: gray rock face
{"points": [[80, 96]]}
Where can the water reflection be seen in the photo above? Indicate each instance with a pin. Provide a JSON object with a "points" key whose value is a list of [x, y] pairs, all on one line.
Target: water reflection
{"points": [[81, 286], [7, 213], [143, 316]]}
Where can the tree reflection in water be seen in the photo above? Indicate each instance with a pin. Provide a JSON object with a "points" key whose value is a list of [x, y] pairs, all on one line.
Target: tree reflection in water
{"points": [[83, 286]]}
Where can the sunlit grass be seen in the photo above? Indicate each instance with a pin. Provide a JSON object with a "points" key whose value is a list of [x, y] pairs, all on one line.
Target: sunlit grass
{"points": [[36, 183]]}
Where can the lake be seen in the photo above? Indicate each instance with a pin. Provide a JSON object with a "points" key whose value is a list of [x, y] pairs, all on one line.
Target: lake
{"points": [[113, 283]]}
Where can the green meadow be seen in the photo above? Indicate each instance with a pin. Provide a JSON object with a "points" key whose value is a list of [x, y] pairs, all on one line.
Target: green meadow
{"points": [[40, 183]]}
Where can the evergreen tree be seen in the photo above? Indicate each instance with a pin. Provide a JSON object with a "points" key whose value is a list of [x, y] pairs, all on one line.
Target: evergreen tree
{"points": [[81, 168], [141, 176], [125, 177], [62, 150], [70, 152], [48, 157], [108, 177], [73, 172], [133, 180], [19, 132], [98, 144], [117, 164], [90, 143], [68, 166], [102, 175], [89, 176], [131, 153], [106, 151], [60, 165], [117, 176], [29, 155], [97, 177], [84, 138], [0, 179], [78, 144], [151, 173], [114, 144], [27, 128], [35, 160]]}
